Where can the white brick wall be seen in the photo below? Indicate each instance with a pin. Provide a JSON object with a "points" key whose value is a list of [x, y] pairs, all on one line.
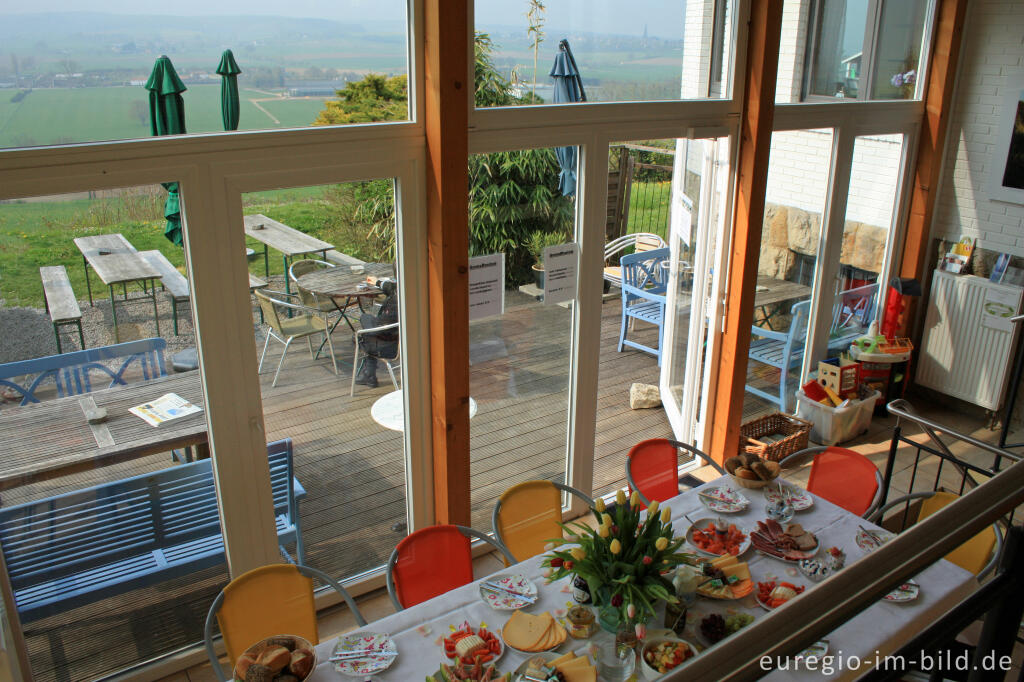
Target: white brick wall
{"points": [[993, 51]]}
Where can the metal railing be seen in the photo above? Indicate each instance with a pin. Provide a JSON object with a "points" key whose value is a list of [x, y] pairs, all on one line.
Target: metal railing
{"points": [[812, 615]]}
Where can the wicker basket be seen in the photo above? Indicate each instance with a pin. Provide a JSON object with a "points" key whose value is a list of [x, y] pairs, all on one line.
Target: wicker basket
{"points": [[794, 429], [773, 467]]}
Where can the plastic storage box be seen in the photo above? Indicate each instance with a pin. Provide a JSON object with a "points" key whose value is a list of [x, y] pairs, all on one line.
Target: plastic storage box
{"points": [[836, 424]]}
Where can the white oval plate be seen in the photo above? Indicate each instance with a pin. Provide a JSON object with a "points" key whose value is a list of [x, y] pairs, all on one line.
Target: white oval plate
{"points": [[503, 601], [799, 498], [370, 664], [701, 525], [723, 499], [869, 542], [476, 630], [908, 591]]}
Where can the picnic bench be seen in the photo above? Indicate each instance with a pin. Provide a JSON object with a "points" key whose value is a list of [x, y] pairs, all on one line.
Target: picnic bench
{"points": [[61, 304], [72, 373], [74, 549], [278, 236], [116, 261]]}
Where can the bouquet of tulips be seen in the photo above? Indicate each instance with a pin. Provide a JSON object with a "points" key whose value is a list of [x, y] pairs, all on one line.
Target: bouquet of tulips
{"points": [[624, 560]]}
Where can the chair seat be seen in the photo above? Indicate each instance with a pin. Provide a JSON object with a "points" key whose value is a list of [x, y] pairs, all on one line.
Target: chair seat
{"points": [[648, 311], [845, 478], [771, 352], [302, 326]]}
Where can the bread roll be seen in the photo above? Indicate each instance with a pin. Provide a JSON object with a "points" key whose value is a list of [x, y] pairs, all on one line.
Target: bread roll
{"points": [[242, 665], [749, 458], [744, 472], [301, 663], [761, 471], [732, 464], [276, 658], [282, 640], [259, 673]]}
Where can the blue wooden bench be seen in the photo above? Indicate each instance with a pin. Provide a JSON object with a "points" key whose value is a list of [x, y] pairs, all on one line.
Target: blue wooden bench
{"points": [[74, 549], [72, 373]]}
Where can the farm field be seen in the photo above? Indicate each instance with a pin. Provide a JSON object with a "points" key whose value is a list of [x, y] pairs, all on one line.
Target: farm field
{"points": [[52, 115]]}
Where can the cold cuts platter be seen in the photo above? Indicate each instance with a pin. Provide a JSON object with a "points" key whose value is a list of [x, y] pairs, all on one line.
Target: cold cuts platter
{"points": [[791, 543]]}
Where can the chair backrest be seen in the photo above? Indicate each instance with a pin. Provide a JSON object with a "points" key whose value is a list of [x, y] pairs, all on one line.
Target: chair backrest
{"points": [[845, 478], [973, 555], [640, 241], [429, 562], [304, 267], [266, 601], [853, 310], [652, 469], [527, 516], [73, 373], [643, 270], [269, 310]]}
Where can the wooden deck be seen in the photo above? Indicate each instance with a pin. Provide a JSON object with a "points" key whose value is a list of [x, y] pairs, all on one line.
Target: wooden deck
{"points": [[353, 470]]}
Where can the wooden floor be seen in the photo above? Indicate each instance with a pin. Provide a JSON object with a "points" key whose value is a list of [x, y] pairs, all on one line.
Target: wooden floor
{"points": [[352, 469]]}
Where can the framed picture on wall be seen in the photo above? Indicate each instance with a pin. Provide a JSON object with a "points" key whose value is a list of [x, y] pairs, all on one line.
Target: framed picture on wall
{"points": [[1007, 174]]}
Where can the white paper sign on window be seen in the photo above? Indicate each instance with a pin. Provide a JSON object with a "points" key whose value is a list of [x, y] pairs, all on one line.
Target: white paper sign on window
{"points": [[998, 308], [486, 286], [560, 266]]}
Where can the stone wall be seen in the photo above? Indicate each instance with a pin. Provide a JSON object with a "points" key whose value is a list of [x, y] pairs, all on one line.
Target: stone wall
{"points": [[788, 231]]}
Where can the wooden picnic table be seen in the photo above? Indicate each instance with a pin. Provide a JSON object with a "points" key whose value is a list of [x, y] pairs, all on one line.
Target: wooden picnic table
{"points": [[52, 439], [278, 236], [771, 291], [116, 261], [345, 282]]}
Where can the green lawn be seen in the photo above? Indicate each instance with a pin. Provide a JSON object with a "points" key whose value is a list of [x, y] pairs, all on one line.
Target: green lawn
{"points": [[649, 208], [47, 116]]}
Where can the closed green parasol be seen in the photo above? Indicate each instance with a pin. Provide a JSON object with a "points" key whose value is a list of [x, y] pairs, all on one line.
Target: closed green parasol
{"points": [[229, 71], [167, 117]]}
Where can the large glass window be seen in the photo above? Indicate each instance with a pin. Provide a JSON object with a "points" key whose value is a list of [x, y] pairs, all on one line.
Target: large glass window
{"points": [[864, 49], [83, 76]]}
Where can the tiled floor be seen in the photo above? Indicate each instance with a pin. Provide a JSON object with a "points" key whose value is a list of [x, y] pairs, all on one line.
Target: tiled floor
{"points": [[874, 444]]}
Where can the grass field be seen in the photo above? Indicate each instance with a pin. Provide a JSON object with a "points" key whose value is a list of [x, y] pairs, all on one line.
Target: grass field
{"points": [[47, 116]]}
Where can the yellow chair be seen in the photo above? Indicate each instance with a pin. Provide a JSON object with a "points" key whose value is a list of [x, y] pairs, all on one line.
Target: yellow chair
{"points": [[267, 601], [978, 555], [527, 515]]}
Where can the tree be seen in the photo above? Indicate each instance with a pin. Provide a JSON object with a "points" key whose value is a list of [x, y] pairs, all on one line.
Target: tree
{"points": [[535, 29], [375, 98]]}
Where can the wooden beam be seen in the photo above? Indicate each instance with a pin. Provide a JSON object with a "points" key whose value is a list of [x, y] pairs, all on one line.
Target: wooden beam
{"points": [[447, 96], [762, 61], [938, 97]]}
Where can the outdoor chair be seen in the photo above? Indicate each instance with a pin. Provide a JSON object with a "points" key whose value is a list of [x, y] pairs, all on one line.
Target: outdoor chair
{"points": [[267, 601], [431, 561], [527, 516], [392, 363], [979, 555], [307, 297], [844, 477], [852, 312], [311, 322], [652, 468], [638, 241], [644, 287]]}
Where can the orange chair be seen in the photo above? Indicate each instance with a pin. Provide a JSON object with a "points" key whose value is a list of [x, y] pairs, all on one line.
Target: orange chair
{"points": [[652, 468], [431, 561], [527, 516], [267, 601], [979, 555], [845, 478]]}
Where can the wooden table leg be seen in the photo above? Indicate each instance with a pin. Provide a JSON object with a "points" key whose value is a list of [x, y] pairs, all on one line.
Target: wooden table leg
{"points": [[88, 285]]}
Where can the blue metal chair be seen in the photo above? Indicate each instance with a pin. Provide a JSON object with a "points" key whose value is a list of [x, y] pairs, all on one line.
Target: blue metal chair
{"points": [[644, 286]]}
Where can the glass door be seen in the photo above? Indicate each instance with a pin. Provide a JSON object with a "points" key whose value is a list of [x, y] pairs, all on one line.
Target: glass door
{"points": [[694, 235]]}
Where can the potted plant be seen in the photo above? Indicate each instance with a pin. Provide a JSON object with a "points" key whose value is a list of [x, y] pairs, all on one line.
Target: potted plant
{"points": [[537, 242], [626, 560]]}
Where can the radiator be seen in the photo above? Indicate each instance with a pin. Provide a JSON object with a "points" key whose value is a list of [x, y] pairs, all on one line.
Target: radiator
{"points": [[962, 355]]}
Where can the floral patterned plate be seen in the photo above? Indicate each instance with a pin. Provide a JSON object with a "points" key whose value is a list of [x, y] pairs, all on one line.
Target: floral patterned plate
{"points": [[908, 591], [504, 601], [723, 499], [799, 498], [869, 540], [377, 641]]}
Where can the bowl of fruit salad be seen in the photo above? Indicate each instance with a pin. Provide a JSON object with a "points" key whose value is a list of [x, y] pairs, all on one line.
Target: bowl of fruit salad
{"points": [[661, 654]]}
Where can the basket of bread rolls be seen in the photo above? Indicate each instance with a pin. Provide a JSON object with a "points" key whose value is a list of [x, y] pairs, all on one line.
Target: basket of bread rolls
{"points": [[750, 471], [282, 658]]}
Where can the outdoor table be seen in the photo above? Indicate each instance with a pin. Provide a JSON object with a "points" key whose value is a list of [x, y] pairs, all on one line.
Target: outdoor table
{"points": [[389, 410], [278, 236], [346, 282], [53, 439], [116, 261], [882, 628], [770, 291]]}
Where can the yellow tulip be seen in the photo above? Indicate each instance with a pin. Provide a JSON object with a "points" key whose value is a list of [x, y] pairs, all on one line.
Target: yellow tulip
{"points": [[634, 499], [615, 547], [666, 515], [599, 505], [652, 509], [661, 543], [607, 519], [620, 497], [578, 553], [602, 530]]}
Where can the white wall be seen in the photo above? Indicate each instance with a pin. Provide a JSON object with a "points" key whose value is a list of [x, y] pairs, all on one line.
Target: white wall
{"points": [[994, 49]]}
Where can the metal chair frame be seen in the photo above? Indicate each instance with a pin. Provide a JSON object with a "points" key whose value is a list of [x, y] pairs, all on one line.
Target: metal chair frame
{"points": [[391, 363], [470, 533], [272, 332], [700, 455], [211, 615]]}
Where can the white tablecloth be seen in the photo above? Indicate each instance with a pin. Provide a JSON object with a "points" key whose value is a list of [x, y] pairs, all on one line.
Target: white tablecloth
{"points": [[881, 629]]}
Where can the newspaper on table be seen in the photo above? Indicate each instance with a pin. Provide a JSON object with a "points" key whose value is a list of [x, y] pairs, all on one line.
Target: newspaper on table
{"points": [[165, 408]]}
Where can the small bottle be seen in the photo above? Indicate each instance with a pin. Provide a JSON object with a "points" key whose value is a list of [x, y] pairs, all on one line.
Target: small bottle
{"points": [[580, 590]]}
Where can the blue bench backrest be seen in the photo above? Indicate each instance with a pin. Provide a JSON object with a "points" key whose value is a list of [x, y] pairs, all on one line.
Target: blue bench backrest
{"points": [[89, 528], [643, 271], [72, 372]]}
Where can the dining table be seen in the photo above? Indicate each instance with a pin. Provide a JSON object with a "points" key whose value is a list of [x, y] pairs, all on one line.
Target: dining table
{"points": [[116, 261], [346, 284], [879, 630], [53, 438]]}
